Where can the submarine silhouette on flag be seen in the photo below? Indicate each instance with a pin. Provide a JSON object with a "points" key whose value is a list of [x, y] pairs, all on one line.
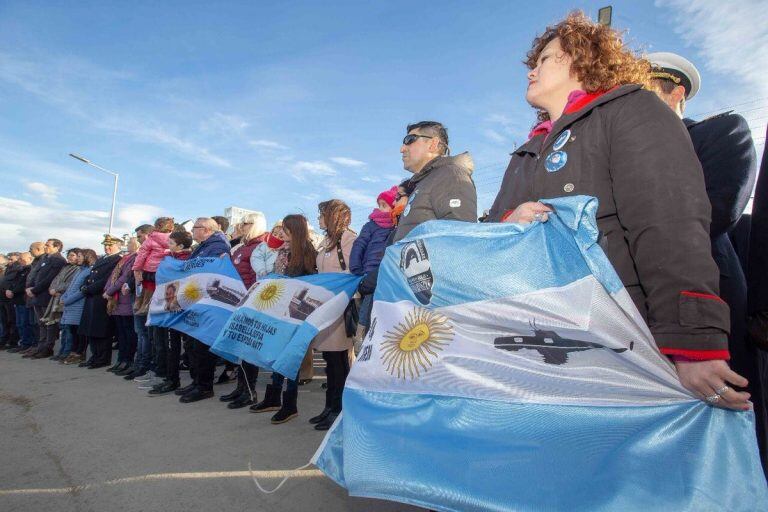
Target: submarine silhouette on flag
{"points": [[553, 348]]}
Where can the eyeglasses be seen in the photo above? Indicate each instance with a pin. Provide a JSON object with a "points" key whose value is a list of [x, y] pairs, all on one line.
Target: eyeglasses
{"points": [[198, 227], [413, 137]]}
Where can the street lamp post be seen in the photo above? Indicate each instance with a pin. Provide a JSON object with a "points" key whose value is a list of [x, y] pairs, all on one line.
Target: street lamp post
{"points": [[114, 191]]}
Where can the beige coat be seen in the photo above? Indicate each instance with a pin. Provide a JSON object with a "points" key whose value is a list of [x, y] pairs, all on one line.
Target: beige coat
{"points": [[334, 338]]}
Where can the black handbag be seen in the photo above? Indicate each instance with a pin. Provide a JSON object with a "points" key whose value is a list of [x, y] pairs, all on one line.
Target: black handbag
{"points": [[351, 314]]}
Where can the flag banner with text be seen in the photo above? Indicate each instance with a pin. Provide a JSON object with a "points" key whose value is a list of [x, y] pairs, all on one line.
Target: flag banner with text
{"points": [[196, 296], [275, 323]]}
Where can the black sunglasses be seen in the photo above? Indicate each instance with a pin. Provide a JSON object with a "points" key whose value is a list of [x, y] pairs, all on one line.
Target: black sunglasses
{"points": [[412, 137]]}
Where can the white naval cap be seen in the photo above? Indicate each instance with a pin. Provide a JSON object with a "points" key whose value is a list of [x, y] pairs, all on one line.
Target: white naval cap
{"points": [[680, 70]]}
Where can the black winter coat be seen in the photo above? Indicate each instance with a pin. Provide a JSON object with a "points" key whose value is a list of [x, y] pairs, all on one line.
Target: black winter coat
{"points": [[95, 322], [15, 280], [630, 150], [758, 243], [50, 266]]}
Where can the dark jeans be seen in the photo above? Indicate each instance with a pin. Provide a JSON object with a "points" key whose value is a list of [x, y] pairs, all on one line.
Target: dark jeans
{"points": [[126, 338], [10, 334], [175, 339], [159, 350], [101, 350], [205, 365], [25, 320], [337, 369], [68, 336], [277, 381], [80, 342], [143, 344]]}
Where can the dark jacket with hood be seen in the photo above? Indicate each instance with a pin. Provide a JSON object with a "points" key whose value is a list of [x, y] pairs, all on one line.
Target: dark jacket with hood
{"points": [[443, 189], [630, 150], [368, 249]]}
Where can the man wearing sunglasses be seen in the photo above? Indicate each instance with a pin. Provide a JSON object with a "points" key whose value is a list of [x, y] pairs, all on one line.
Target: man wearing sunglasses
{"points": [[442, 184]]}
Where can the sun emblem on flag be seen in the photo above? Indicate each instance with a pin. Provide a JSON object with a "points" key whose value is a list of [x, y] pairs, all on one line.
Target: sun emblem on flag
{"points": [[192, 292], [413, 345], [268, 294]]}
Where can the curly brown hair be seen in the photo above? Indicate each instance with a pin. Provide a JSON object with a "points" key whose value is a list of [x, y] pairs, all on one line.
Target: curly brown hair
{"points": [[600, 59], [164, 224], [337, 217]]}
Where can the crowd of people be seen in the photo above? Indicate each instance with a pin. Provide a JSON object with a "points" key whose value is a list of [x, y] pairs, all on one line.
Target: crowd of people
{"points": [[610, 124]]}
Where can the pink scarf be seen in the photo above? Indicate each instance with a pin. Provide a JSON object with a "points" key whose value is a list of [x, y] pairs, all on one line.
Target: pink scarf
{"points": [[382, 219], [546, 126]]}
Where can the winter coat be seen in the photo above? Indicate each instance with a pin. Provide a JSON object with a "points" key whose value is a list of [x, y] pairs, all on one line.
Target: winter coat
{"points": [[59, 284], [73, 299], [16, 281], [10, 277], [96, 323], [443, 189], [334, 338], [50, 266], [758, 243], [123, 304], [151, 252], [630, 150], [368, 249], [263, 259], [213, 247], [241, 258]]}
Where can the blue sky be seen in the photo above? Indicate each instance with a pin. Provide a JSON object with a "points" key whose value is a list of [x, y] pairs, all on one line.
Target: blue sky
{"points": [[275, 106]]}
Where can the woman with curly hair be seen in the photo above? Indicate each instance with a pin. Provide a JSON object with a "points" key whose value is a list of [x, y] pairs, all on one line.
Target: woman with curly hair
{"points": [[334, 256], [600, 133]]}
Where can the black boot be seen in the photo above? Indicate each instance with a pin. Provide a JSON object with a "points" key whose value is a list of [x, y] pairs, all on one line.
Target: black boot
{"points": [[239, 390], [327, 421], [271, 400], [164, 388], [288, 411], [242, 401]]}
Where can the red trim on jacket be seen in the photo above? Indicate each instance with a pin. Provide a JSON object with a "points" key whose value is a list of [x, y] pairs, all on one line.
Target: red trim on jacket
{"points": [[701, 295], [696, 355], [584, 101], [507, 214]]}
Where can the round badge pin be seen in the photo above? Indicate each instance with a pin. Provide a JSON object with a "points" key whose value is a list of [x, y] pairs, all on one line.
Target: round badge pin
{"points": [[556, 161], [561, 140]]}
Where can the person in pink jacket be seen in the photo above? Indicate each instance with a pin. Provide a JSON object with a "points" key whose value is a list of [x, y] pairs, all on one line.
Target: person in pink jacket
{"points": [[152, 252]]}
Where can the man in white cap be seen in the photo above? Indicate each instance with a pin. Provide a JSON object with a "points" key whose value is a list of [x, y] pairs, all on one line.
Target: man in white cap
{"points": [[725, 149]]}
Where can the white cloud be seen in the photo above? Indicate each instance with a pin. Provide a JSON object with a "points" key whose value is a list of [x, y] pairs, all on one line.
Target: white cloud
{"points": [[369, 179], [266, 144], [347, 162], [728, 36], [301, 169], [225, 123], [162, 136], [353, 196], [494, 136], [22, 222], [47, 193]]}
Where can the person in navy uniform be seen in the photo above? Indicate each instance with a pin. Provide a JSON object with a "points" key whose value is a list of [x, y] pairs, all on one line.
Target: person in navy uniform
{"points": [[723, 144]]}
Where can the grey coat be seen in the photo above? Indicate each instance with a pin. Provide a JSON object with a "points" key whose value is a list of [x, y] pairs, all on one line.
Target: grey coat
{"points": [[443, 190]]}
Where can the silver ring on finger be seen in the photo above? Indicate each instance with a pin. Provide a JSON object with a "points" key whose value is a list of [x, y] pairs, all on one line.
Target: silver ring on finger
{"points": [[722, 390], [713, 399], [538, 216]]}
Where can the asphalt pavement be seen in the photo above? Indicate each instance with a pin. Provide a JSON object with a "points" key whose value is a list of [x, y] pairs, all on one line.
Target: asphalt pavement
{"points": [[73, 439]]}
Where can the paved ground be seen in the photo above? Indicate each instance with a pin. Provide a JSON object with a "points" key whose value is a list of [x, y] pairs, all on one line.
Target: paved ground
{"points": [[73, 439]]}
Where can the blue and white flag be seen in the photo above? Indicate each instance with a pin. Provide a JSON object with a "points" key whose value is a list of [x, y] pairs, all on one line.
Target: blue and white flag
{"points": [[507, 368], [280, 316], [196, 296]]}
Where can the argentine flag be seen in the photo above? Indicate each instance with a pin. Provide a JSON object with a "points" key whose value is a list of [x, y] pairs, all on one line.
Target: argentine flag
{"points": [[195, 296], [506, 368], [280, 316]]}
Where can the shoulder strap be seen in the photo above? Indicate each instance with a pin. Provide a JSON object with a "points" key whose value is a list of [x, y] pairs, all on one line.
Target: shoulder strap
{"points": [[342, 263]]}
